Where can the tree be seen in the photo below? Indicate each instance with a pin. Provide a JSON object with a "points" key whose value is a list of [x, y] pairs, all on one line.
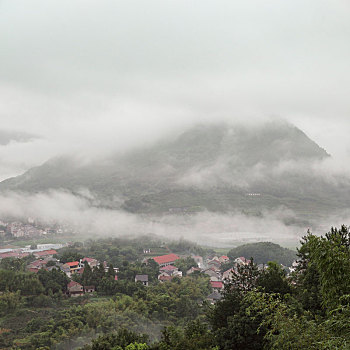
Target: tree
{"points": [[243, 277], [329, 256], [122, 339], [273, 279], [185, 264]]}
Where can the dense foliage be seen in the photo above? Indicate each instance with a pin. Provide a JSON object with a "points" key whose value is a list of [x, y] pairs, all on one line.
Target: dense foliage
{"points": [[260, 309], [263, 252]]}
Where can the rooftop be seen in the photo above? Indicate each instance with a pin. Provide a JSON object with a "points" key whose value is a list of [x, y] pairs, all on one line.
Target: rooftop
{"points": [[169, 268], [142, 278], [163, 259], [46, 252], [216, 284]]}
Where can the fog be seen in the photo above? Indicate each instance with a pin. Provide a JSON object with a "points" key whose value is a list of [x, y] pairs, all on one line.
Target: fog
{"points": [[77, 213], [98, 76], [91, 78]]}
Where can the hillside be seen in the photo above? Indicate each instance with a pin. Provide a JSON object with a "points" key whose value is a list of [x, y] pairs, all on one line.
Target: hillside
{"points": [[263, 252], [208, 167]]}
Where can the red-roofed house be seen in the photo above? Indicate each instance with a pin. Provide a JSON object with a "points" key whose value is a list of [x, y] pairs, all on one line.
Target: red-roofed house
{"points": [[164, 277], [45, 253], [165, 260], [14, 254], [75, 289], [33, 269], [171, 270], [224, 259], [71, 267], [217, 285], [37, 264]]}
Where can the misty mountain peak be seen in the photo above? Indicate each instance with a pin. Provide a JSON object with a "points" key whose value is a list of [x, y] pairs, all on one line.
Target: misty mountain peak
{"points": [[208, 166]]}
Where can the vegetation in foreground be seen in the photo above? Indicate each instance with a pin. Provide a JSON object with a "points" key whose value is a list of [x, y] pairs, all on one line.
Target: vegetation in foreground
{"points": [[259, 309]]}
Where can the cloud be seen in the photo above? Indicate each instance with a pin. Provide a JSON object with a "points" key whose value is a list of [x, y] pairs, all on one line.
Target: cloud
{"points": [[79, 213], [96, 77]]}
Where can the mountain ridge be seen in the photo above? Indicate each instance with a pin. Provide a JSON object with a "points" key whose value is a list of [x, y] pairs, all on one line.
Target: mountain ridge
{"points": [[208, 167]]}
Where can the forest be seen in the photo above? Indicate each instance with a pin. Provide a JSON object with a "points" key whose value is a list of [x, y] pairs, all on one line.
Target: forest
{"points": [[305, 308]]}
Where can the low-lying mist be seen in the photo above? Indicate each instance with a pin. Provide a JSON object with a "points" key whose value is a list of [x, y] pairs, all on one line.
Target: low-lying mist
{"points": [[87, 221]]}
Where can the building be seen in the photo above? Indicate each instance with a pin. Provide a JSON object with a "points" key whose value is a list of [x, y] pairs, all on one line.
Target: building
{"points": [[89, 289], [142, 278], [199, 260], [215, 265], [45, 253], [169, 269], [71, 267], [192, 270], [227, 275], [164, 277], [165, 260], [214, 276], [224, 259], [214, 297], [242, 261], [75, 289], [217, 285], [91, 261]]}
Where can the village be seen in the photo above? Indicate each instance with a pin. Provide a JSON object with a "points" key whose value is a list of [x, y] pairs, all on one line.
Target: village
{"points": [[45, 257]]}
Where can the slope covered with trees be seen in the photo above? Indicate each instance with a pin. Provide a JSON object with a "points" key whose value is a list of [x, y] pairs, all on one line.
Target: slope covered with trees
{"points": [[263, 252], [267, 310]]}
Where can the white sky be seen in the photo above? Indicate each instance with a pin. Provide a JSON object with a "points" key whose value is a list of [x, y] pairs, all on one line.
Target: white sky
{"points": [[104, 75]]}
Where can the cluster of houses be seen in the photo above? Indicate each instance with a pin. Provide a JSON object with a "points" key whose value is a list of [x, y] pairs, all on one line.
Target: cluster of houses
{"points": [[26, 229], [211, 266], [19, 253]]}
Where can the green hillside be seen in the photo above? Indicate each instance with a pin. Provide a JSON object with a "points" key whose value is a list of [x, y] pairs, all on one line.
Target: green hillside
{"points": [[263, 252]]}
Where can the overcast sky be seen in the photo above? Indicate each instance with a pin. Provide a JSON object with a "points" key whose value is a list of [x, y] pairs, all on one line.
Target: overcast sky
{"points": [[104, 75]]}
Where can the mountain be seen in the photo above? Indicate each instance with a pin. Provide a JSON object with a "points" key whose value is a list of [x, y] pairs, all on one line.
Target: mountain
{"points": [[215, 167]]}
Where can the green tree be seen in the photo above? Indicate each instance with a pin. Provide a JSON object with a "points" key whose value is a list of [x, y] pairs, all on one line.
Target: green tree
{"points": [[273, 279]]}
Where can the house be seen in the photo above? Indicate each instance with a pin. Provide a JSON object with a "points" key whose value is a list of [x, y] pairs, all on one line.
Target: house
{"points": [[75, 289], [13, 254], [71, 267], [215, 265], [193, 269], [199, 260], [89, 289], [227, 275], [242, 261], [91, 261], [211, 273], [37, 264], [142, 278], [33, 269], [164, 260], [214, 297], [164, 277], [224, 259], [217, 285], [171, 270], [45, 253]]}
